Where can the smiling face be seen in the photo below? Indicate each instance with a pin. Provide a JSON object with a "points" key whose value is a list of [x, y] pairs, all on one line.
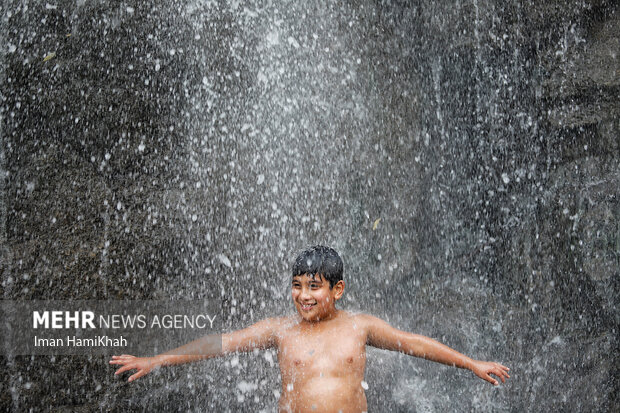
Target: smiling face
{"points": [[313, 298]]}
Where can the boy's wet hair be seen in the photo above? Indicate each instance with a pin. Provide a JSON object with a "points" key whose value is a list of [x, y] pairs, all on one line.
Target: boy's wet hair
{"points": [[321, 260]]}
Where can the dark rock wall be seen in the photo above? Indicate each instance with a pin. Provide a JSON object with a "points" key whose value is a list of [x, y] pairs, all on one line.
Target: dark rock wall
{"points": [[173, 149]]}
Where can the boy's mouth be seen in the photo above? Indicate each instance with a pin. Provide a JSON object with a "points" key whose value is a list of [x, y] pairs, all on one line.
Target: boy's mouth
{"points": [[306, 307]]}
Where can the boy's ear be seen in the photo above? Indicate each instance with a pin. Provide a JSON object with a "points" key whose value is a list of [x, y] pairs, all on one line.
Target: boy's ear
{"points": [[338, 290]]}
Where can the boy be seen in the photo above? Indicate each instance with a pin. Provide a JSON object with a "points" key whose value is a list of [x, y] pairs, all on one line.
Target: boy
{"points": [[321, 350]]}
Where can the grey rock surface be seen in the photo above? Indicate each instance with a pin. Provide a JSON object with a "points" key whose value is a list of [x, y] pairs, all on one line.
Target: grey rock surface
{"points": [[162, 150]]}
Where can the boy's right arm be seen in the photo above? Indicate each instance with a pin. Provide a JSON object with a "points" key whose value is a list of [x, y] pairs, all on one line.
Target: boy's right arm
{"points": [[257, 336]]}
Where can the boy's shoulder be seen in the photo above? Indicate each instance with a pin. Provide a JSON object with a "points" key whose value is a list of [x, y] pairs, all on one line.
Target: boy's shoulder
{"points": [[360, 318], [356, 319], [277, 324], [366, 322]]}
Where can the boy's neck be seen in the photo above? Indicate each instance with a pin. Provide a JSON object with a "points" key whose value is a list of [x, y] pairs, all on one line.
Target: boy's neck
{"points": [[332, 315]]}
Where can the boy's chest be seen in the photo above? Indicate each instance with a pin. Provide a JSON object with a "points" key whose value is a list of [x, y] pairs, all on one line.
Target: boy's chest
{"points": [[322, 350]]}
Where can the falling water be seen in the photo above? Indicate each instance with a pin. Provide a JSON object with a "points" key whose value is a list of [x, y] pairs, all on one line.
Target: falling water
{"points": [[462, 158]]}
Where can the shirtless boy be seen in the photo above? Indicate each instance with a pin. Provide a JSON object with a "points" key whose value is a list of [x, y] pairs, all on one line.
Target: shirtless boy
{"points": [[321, 350]]}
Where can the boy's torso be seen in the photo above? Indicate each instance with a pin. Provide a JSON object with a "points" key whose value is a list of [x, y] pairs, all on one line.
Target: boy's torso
{"points": [[322, 365]]}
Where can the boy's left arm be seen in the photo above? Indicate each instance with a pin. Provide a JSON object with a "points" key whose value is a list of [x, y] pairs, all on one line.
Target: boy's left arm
{"points": [[382, 335]]}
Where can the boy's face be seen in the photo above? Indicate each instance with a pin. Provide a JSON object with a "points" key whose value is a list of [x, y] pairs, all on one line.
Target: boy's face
{"points": [[313, 298]]}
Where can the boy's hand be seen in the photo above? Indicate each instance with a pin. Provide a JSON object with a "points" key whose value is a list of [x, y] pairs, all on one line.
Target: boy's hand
{"points": [[483, 369], [144, 365]]}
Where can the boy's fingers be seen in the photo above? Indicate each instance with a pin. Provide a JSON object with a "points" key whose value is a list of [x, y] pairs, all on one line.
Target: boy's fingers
{"points": [[499, 373], [119, 362], [490, 379], [137, 375], [124, 369]]}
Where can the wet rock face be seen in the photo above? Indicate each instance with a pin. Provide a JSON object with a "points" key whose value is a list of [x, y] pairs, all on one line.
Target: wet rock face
{"points": [[168, 150]]}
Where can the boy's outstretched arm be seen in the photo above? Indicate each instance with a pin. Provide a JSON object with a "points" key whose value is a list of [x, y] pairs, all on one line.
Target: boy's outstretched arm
{"points": [[257, 336], [383, 335]]}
